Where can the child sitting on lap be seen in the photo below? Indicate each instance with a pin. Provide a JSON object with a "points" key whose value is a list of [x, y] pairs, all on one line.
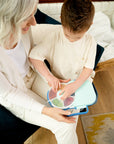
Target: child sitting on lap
{"points": [[68, 48]]}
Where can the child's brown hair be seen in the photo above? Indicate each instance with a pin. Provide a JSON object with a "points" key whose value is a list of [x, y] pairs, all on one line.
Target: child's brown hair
{"points": [[77, 15]]}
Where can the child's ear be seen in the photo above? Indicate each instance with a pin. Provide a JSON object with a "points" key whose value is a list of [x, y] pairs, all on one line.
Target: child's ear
{"points": [[60, 18]]}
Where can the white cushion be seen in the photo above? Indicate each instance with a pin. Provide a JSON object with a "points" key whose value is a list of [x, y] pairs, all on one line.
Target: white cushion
{"points": [[112, 20]]}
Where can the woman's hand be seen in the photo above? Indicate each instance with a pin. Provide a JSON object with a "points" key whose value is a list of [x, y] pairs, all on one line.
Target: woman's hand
{"points": [[58, 114], [68, 90], [55, 83]]}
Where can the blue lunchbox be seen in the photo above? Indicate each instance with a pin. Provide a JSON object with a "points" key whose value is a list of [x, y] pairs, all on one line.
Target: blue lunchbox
{"points": [[80, 100]]}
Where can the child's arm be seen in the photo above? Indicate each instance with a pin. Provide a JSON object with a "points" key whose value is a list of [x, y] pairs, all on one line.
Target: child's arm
{"points": [[72, 87], [54, 82]]}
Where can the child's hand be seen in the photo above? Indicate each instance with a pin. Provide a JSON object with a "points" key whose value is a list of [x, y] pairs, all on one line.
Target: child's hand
{"points": [[68, 90], [55, 83]]}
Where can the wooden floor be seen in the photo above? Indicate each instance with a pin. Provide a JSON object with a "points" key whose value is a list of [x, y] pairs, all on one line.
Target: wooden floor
{"points": [[104, 83]]}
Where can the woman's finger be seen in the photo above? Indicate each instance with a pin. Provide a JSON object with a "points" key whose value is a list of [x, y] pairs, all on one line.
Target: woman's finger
{"points": [[61, 115], [64, 112], [69, 120]]}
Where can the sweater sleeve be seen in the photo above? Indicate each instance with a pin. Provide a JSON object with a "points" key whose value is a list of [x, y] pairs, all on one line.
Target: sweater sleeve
{"points": [[22, 104]]}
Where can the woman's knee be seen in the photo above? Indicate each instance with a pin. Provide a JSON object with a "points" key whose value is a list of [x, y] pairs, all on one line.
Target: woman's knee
{"points": [[64, 128], [66, 133]]}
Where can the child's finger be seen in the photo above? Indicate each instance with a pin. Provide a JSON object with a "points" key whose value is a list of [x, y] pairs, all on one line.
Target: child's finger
{"points": [[64, 96], [54, 88], [49, 84], [61, 92], [64, 81], [59, 85]]}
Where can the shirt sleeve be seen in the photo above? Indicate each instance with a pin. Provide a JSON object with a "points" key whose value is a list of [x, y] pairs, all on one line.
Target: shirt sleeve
{"points": [[22, 104], [43, 38], [91, 53], [40, 52]]}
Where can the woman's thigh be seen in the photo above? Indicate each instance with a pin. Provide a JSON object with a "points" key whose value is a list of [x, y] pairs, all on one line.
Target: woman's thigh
{"points": [[12, 129], [64, 132], [40, 86]]}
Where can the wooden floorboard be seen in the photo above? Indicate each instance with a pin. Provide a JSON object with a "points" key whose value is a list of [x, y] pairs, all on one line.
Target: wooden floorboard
{"points": [[104, 83]]}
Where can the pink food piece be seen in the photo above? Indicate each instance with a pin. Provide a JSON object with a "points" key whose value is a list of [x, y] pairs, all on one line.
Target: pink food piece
{"points": [[52, 94], [68, 101]]}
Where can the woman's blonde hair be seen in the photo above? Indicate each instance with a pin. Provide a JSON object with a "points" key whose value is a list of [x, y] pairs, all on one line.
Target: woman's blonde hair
{"points": [[12, 13]]}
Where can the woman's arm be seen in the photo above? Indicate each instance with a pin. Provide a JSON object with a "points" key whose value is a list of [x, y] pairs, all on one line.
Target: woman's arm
{"points": [[72, 87], [25, 106], [17, 100]]}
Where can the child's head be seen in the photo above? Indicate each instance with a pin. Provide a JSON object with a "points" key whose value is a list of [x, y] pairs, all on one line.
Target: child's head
{"points": [[77, 17]]}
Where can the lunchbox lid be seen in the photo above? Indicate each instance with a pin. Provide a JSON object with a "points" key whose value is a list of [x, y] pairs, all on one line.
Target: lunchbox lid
{"points": [[83, 97]]}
